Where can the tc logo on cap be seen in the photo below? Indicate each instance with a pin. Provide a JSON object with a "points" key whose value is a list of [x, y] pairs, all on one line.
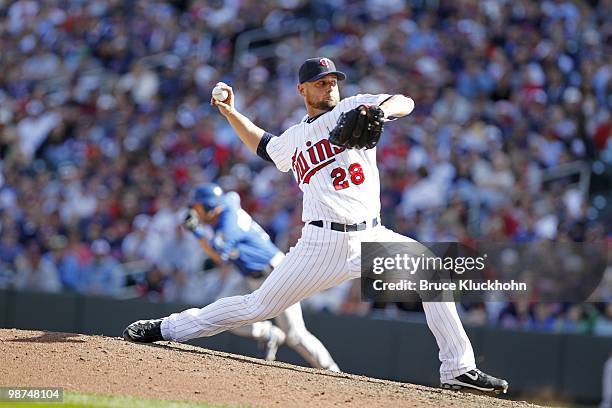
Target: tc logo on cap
{"points": [[315, 68]]}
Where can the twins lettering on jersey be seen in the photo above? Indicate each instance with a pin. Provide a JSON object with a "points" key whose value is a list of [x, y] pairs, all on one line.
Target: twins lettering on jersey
{"points": [[317, 156], [339, 184]]}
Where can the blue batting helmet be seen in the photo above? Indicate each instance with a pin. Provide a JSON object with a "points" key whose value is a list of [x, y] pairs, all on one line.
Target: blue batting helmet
{"points": [[209, 195]]}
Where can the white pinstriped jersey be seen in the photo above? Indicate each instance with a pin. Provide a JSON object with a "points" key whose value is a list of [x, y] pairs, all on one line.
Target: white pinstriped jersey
{"points": [[339, 184]]}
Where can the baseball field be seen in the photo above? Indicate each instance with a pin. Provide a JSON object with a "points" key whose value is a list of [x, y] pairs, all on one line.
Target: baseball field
{"points": [[108, 371]]}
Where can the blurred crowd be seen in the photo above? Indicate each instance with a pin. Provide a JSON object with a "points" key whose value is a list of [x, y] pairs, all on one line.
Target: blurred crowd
{"points": [[105, 126]]}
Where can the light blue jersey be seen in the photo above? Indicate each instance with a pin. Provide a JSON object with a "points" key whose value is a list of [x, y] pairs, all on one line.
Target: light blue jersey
{"points": [[240, 240]]}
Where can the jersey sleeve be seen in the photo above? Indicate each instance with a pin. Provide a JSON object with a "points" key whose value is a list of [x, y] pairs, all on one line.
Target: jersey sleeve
{"points": [[366, 99], [279, 151]]}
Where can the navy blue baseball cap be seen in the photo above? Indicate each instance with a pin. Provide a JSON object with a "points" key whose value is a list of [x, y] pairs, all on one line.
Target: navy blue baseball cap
{"points": [[210, 195], [316, 68]]}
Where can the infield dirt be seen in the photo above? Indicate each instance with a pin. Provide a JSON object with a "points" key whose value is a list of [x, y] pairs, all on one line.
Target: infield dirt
{"points": [[179, 372]]}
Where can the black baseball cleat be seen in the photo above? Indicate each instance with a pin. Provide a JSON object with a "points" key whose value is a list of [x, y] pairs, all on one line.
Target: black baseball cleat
{"points": [[477, 380], [144, 331]]}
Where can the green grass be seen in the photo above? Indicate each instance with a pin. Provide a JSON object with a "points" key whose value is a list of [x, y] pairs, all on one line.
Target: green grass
{"points": [[87, 400]]}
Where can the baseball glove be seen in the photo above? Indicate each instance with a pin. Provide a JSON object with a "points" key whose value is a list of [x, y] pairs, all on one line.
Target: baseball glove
{"points": [[191, 221], [358, 128]]}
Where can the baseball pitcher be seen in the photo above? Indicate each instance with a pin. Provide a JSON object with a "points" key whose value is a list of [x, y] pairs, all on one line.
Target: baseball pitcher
{"points": [[332, 156]]}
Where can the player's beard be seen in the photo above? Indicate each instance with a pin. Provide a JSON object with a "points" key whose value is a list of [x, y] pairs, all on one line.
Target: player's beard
{"points": [[325, 104]]}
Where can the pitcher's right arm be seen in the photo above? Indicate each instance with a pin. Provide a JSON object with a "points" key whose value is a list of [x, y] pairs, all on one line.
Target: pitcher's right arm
{"points": [[249, 133]]}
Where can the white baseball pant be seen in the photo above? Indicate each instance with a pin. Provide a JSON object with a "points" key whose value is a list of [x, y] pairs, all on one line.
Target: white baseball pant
{"points": [[322, 258]]}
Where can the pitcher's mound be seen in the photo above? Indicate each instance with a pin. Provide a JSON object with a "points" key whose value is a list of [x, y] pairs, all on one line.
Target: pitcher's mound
{"points": [[178, 372]]}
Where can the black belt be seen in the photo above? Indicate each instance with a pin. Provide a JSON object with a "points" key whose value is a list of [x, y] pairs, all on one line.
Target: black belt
{"points": [[336, 226]]}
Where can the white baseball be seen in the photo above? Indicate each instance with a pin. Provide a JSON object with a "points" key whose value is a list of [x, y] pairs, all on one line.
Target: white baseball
{"points": [[220, 94]]}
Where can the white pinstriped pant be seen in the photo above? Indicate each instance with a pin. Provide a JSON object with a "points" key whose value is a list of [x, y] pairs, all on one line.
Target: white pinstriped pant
{"points": [[322, 258]]}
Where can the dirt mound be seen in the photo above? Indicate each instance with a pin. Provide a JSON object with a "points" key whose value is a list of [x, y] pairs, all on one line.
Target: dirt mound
{"points": [[172, 371]]}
